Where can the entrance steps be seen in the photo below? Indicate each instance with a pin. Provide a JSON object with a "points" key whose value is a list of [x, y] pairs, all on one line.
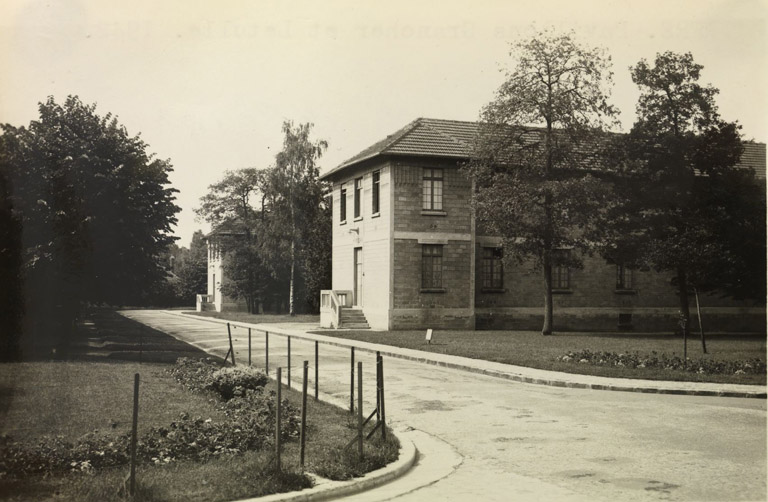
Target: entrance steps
{"points": [[353, 318]]}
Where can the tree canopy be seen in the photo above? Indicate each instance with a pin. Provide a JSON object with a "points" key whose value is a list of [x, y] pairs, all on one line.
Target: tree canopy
{"points": [[95, 206], [686, 196], [533, 162], [274, 244]]}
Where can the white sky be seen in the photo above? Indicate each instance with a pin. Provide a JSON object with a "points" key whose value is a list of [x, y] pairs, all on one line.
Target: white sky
{"points": [[208, 84]]}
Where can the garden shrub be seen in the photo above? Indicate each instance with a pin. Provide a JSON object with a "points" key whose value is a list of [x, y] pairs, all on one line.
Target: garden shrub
{"points": [[205, 375], [234, 381]]}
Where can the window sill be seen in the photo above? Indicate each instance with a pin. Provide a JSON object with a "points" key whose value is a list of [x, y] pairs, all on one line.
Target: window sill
{"points": [[433, 212], [343, 222], [493, 290], [432, 290], [358, 218], [562, 291], [375, 215], [625, 292]]}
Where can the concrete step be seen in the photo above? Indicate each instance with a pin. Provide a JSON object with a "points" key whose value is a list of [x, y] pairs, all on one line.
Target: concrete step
{"points": [[355, 325]]}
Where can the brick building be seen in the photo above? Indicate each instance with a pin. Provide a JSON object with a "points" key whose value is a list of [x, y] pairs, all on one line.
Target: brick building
{"points": [[407, 253]]}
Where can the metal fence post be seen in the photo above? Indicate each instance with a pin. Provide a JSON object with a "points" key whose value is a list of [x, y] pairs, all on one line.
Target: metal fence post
{"points": [[289, 362], [266, 352], [277, 418], [352, 381], [360, 410], [231, 347], [249, 346], [378, 387], [304, 414], [383, 408], [317, 371], [134, 434]]}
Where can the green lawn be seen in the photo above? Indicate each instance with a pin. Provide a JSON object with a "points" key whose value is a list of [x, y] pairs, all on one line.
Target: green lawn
{"points": [[92, 392], [259, 318], [528, 348]]}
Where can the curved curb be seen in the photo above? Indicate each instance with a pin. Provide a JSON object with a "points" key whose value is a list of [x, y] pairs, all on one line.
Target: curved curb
{"points": [[326, 489], [642, 386]]}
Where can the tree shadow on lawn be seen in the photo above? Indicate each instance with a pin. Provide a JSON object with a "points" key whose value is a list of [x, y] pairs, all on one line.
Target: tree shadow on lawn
{"points": [[106, 335]]}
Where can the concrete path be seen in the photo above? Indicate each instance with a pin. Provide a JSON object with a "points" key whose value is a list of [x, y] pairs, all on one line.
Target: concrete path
{"points": [[495, 439]]}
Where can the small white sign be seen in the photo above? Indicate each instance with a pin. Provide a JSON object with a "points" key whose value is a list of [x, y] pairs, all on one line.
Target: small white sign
{"points": [[429, 336]]}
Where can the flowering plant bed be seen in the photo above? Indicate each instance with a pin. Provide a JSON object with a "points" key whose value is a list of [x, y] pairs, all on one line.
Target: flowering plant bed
{"points": [[662, 361]]}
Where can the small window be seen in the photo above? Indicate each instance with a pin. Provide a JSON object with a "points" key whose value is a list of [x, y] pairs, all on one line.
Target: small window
{"points": [[625, 320], [493, 268], [431, 266], [624, 277], [343, 205], [358, 195], [432, 190], [375, 193], [561, 277]]}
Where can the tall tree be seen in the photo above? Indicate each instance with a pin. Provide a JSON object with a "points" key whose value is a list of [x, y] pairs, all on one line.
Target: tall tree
{"points": [[297, 194], [191, 268], [539, 141], [686, 181], [96, 208], [236, 207]]}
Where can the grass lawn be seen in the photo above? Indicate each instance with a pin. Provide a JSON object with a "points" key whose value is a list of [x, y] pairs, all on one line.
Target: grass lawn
{"points": [[92, 393], [259, 318], [531, 349]]}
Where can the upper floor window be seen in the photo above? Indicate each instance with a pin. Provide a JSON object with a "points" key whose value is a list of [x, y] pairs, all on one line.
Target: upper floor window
{"points": [[431, 266], [375, 206], [358, 195], [625, 278], [432, 190], [343, 205], [561, 277], [493, 268]]}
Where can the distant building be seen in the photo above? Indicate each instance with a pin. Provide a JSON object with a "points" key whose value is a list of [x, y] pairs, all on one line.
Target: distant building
{"points": [[407, 253], [214, 299]]}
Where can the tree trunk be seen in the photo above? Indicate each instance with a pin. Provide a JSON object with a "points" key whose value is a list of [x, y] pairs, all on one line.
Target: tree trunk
{"points": [[548, 311], [291, 310], [682, 282]]}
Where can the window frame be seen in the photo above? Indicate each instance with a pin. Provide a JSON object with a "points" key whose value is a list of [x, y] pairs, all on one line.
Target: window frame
{"points": [[430, 200], [561, 278], [358, 198], [432, 267], [375, 192], [622, 273], [343, 205], [493, 268]]}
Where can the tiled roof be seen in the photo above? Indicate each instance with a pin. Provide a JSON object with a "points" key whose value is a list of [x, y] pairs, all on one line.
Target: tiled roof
{"points": [[754, 157], [454, 139], [424, 138]]}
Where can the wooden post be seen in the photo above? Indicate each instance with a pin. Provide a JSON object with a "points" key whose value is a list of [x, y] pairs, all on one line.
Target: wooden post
{"points": [[701, 327], [289, 362], [266, 352], [277, 418], [352, 381], [360, 410], [304, 414], [231, 347], [134, 434], [383, 408], [317, 371], [249, 346]]}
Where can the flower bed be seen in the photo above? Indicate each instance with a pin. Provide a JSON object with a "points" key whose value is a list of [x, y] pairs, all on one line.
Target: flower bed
{"points": [[663, 361], [249, 409]]}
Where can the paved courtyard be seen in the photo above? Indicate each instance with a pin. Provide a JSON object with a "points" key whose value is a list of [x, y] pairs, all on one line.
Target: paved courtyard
{"points": [[492, 439]]}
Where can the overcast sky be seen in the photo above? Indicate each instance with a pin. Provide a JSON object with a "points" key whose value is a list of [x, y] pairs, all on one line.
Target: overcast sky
{"points": [[209, 84]]}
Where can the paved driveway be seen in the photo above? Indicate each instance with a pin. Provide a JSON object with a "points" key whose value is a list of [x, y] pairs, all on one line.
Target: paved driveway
{"points": [[531, 442]]}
